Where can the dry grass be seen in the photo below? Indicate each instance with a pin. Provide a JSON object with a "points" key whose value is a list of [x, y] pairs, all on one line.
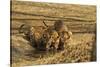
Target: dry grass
{"points": [[79, 50], [77, 17]]}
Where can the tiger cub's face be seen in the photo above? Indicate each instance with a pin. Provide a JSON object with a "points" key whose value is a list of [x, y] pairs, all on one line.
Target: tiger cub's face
{"points": [[65, 36], [52, 40]]}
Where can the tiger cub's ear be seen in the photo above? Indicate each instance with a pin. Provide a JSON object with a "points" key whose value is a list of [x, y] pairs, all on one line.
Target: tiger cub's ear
{"points": [[70, 33]]}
